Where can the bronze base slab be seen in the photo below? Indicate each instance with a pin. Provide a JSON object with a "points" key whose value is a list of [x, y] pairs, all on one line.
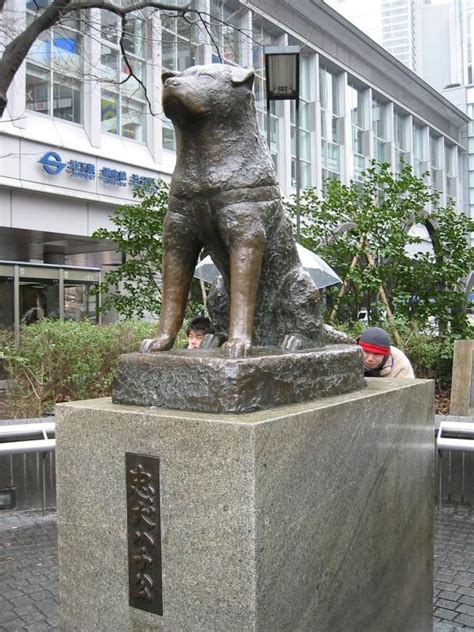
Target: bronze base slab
{"points": [[206, 381]]}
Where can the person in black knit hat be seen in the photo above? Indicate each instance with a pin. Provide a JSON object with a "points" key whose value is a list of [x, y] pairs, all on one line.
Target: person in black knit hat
{"points": [[381, 359]]}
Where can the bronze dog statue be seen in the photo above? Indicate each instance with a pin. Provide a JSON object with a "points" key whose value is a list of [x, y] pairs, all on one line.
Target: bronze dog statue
{"points": [[225, 197]]}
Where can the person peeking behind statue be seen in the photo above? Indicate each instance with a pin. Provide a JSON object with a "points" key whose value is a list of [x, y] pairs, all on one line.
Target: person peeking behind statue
{"points": [[381, 359], [197, 328]]}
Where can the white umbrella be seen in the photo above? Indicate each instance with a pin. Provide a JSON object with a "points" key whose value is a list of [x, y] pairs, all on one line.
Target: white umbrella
{"points": [[321, 274], [424, 246]]}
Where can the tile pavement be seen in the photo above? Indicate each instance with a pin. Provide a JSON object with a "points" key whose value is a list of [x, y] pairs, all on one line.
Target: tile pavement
{"points": [[454, 569], [29, 582], [28, 572]]}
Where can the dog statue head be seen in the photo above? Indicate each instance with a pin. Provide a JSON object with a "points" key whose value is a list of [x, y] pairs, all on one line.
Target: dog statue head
{"points": [[219, 91]]}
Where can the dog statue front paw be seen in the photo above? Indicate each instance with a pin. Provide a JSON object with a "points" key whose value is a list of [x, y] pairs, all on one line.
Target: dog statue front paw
{"points": [[162, 342], [295, 342], [236, 347], [212, 341]]}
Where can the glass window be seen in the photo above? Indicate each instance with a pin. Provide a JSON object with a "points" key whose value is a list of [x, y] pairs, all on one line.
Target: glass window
{"points": [[304, 128], [54, 70], [378, 119], [434, 156], [469, 15], [226, 38], [134, 37], [109, 60], [109, 26], [6, 302], [38, 299], [262, 37], [66, 51], [168, 49], [418, 150], [399, 124], [132, 117], [330, 113], [328, 91], [379, 130], [355, 100], [168, 135], [123, 102], [66, 98], [330, 160], [274, 131], [181, 45], [451, 172], [79, 303], [435, 171], [40, 52], [38, 89], [450, 162], [37, 5], [109, 111]]}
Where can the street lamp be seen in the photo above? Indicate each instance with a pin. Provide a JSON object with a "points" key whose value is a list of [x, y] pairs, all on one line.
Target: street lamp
{"points": [[282, 74]]}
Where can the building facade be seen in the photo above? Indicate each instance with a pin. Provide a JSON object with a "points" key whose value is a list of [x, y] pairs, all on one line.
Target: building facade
{"points": [[80, 132], [391, 23], [398, 30]]}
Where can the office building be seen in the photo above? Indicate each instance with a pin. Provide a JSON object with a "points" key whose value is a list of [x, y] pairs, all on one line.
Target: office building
{"points": [[391, 23]]}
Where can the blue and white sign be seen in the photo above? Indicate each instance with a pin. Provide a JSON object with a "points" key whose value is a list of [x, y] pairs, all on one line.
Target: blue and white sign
{"points": [[78, 169], [52, 163], [53, 166], [113, 176]]}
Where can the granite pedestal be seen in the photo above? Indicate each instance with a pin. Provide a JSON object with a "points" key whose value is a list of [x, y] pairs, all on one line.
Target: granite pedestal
{"points": [[314, 517]]}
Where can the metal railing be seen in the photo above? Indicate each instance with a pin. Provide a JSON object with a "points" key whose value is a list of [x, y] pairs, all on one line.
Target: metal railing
{"points": [[24, 438], [453, 436]]}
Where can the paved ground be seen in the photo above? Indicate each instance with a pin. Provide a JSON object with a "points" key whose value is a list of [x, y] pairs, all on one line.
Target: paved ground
{"points": [[29, 583], [28, 572], [454, 569]]}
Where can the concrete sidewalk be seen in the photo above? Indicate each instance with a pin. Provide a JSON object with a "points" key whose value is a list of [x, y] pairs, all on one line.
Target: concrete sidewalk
{"points": [[29, 581]]}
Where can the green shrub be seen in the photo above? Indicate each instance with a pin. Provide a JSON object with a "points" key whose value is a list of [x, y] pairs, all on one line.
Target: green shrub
{"points": [[432, 358], [64, 361], [430, 350]]}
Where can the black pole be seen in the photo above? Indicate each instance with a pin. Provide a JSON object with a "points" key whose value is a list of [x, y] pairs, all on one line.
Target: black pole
{"points": [[298, 168]]}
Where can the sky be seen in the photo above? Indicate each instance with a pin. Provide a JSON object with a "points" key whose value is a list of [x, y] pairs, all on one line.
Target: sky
{"points": [[365, 14]]}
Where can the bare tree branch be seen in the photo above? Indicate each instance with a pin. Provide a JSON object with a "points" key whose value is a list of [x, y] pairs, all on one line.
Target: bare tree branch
{"points": [[17, 50], [211, 37], [129, 65], [80, 5]]}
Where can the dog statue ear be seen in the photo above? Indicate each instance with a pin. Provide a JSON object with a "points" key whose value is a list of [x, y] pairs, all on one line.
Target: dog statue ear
{"points": [[167, 74], [241, 76]]}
